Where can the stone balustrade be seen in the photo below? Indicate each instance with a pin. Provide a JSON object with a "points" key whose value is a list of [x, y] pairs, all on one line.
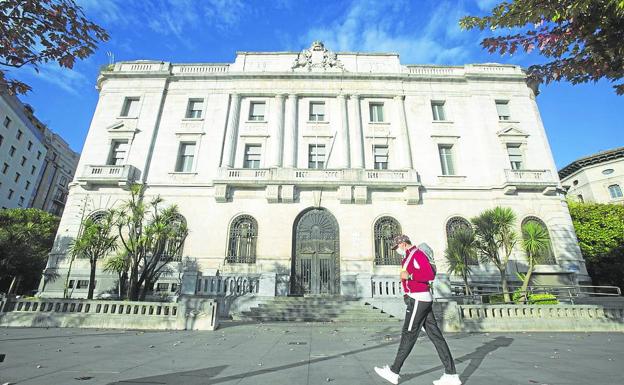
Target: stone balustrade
{"points": [[108, 174], [227, 285], [187, 314], [386, 287]]}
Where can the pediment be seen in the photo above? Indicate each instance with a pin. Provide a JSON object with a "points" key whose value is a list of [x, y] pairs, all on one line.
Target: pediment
{"points": [[512, 131], [123, 127]]}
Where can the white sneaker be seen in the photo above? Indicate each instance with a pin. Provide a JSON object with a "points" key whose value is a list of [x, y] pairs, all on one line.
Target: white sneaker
{"points": [[387, 374], [448, 379]]}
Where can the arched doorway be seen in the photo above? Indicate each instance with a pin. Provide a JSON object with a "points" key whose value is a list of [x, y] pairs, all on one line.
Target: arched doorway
{"points": [[316, 254]]}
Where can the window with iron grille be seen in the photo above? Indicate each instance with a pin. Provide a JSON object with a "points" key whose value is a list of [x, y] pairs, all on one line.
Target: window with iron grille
{"points": [[242, 240], [458, 223], [386, 228], [175, 243], [548, 258]]}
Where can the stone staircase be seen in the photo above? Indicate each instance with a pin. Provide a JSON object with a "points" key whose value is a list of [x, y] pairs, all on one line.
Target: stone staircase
{"points": [[313, 309]]}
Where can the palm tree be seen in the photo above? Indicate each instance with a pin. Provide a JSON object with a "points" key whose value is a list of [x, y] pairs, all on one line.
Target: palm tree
{"points": [[496, 238], [536, 243], [461, 249], [119, 264]]}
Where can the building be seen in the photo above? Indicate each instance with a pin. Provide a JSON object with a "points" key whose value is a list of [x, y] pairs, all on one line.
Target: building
{"points": [[37, 163], [597, 178], [22, 152], [298, 168]]}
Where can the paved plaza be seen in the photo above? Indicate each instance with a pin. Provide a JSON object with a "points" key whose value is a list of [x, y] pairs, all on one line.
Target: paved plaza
{"points": [[300, 353]]}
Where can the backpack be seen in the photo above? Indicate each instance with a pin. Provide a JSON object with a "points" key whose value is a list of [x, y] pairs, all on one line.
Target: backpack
{"points": [[429, 253]]}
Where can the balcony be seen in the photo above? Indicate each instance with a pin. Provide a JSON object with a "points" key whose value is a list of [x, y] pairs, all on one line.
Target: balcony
{"points": [[122, 176], [530, 180]]}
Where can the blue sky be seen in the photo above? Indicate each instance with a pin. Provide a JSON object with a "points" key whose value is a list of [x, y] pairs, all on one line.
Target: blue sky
{"points": [[579, 120]]}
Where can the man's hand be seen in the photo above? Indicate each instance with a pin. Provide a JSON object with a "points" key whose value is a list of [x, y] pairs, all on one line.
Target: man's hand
{"points": [[404, 276]]}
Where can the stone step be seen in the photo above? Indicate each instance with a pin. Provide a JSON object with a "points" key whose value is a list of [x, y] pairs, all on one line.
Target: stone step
{"points": [[258, 318]]}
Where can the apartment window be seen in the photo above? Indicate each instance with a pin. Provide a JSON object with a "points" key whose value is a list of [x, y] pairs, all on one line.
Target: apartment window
{"points": [[1, 139], [446, 159], [38, 155], [615, 191], [27, 185], [63, 181], [316, 158], [437, 108], [11, 194], [252, 156], [17, 176], [376, 112], [7, 121], [119, 150], [195, 108], [19, 135], [186, 155], [21, 201], [380, 153], [23, 162], [130, 108], [502, 107], [5, 168], [515, 156], [317, 111], [12, 151], [256, 111], [29, 145], [32, 170]]}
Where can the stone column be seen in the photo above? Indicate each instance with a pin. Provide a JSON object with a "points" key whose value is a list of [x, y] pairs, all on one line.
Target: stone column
{"points": [[231, 133], [277, 132], [290, 133], [405, 160], [355, 134], [341, 146]]}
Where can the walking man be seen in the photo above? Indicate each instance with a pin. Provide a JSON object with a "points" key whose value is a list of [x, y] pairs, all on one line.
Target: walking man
{"points": [[416, 273]]}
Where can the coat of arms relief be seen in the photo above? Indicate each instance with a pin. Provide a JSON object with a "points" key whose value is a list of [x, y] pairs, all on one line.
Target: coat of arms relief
{"points": [[317, 58]]}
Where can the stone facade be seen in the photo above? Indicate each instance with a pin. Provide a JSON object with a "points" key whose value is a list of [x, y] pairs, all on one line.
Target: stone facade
{"points": [[597, 178], [295, 167]]}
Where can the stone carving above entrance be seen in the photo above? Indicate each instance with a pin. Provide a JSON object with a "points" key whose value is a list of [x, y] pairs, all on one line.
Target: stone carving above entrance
{"points": [[317, 58]]}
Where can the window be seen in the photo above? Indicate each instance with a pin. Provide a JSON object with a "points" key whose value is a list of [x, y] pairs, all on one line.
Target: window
{"points": [[83, 284], [615, 191], [11, 194], [23, 162], [130, 108], [19, 135], [380, 154], [437, 107], [29, 145], [446, 159], [456, 224], [317, 111], [515, 156], [162, 286], [575, 182], [21, 201], [316, 156], [502, 107], [186, 155], [27, 185], [256, 111], [546, 257], [32, 170], [5, 168], [242, 240], [71, 283], [195, 107], [386, 228], [7, 121], [580, 198], [608, 171], [252, 156], [17, 176], [12, 151], [119, 150], [376, 112], [38, 155], [63, 181], [174, 287], [59, 195], [1, 139]]}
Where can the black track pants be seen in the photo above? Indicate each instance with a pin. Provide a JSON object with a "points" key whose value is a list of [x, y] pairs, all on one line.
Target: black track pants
{"points": [[417, 315]]}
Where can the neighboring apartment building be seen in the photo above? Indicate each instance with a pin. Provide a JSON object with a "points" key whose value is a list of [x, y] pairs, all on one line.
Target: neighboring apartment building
{"points": [[299, 167], [597, 178], [36, 164]]}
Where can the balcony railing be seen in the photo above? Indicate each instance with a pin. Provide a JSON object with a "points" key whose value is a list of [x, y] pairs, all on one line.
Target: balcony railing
{"points": [[108, 175], [242, 176], [530, 180]]}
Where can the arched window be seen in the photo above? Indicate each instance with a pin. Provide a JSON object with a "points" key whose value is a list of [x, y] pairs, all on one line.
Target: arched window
{"points": [[615, 191], [97, 216], [386, 228], [175, 243], [242, 240], [457, 223], [549, 257]]}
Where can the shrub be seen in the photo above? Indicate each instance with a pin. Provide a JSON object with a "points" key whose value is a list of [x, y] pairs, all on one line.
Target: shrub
{"points": [[536, 299]]}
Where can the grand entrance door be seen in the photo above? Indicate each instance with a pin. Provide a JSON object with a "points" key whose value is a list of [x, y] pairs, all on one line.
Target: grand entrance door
{"points": [[316, 258]]}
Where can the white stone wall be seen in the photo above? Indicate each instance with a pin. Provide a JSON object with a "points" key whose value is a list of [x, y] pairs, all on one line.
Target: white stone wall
{"points": [[593, 184]]}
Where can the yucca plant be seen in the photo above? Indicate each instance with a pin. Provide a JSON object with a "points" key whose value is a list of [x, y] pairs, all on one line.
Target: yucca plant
{"points": [[462, 248], [536, 244]]}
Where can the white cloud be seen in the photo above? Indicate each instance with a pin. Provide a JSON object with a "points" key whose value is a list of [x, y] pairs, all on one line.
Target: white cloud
{"points": [[69, 80], [487, 5]]}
